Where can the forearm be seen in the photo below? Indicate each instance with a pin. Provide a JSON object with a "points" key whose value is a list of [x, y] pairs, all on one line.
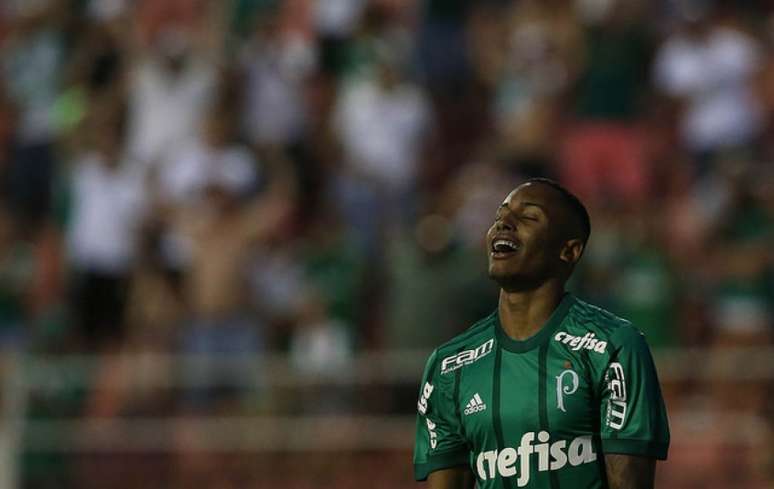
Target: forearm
{"points": [[453, 478], [630, 472]]}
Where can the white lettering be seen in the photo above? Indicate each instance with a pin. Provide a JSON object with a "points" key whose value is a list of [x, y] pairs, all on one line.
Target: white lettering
{"points": [[616, 414], [484, 348], [466, 357], [433, 434], [617, 382], [480, 466], [525, 450], [588, 341], [542, 450], [551, 456], [491, 459], [562, 390], [424, 398], [616, 404], [447, 362], [506, 462], [590, 455], [581, 451], [559, 457]]}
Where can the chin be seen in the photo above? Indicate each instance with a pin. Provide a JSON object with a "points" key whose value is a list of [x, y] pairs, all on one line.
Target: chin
{"points": [[513, 280], [504, 277], [501, 269]]}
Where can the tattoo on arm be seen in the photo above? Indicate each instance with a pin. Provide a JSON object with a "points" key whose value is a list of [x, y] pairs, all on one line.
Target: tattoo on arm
{"points": [[630, 472]]}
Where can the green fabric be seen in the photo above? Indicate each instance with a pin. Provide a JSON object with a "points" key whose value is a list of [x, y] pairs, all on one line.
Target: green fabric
{"points": [[337, 268], [438, 10], [16, 274], [70, 108], [750, 227], [440, 461], [616, 74], [636, 447], [244, 14], [544, 415], [644, 293]]}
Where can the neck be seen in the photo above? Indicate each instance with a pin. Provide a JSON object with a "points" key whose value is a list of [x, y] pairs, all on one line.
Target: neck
{"points": [[523, 313]]}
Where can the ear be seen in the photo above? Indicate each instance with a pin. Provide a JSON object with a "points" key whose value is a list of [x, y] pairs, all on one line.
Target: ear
{"points": [[571, 251]]}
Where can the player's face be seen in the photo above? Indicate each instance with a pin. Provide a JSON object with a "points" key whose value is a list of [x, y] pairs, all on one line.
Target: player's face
{"points": [[523, 242]]}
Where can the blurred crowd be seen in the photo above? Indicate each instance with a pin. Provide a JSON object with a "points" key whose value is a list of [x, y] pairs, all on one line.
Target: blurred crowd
{"points": [[316, 177]]}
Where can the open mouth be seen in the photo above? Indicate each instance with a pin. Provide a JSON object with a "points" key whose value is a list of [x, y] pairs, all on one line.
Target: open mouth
{"points": [[504, 247]]}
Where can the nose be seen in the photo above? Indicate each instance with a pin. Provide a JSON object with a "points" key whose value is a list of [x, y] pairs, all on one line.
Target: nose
{"points": [[504, 225]]}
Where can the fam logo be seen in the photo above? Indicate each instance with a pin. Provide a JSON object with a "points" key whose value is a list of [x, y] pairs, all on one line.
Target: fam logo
{"points": [[466, 357], [617, 400], [587, 342]]}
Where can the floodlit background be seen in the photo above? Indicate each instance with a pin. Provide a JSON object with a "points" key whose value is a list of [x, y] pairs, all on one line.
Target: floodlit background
{"points": [[232, 231]]}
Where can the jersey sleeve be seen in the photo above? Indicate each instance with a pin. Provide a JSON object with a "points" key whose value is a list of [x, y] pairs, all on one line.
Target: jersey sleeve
{"points": [[439, 443], [632, 411]]}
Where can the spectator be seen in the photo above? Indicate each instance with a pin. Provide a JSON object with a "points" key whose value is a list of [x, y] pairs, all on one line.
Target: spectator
{"points": [[17, 271], [212, 159], [107, 209], [31, 72], [170, 89], [222, 229], [708, 66], [276, 64], [381, 122], [604, 155]]}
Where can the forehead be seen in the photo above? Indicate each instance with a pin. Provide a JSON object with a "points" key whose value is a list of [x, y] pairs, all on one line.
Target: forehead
{"points": [[533, 193]]}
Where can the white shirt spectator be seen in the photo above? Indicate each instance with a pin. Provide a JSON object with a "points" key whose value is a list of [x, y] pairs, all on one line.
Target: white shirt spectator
{"points": [[712, 74], [381, 130], [166, 109], [186, 174], [107, 209], [195, 166], [276, 69], [338, 18], [31, 71]]}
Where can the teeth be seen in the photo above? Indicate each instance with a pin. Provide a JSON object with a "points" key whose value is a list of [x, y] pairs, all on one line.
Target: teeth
{"points": [[504, 245]]}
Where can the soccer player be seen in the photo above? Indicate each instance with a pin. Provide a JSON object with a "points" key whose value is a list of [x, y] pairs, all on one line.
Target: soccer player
{"points": [[548, 391]]}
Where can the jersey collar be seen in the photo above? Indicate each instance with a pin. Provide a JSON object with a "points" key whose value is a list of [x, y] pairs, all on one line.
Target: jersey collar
{"points": [[543, 333]]}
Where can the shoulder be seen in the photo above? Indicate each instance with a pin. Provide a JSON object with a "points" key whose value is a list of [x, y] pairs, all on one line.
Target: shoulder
{"points": [[482, 330], [478, 339], [608, 328]]}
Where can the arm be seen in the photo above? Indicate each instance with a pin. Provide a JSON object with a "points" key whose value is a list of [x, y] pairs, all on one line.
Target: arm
{"points": [[441, 453], [633, 421], [626, 471], [452, 478]]}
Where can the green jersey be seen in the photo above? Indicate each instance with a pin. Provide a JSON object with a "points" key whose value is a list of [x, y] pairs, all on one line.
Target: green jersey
{"points": [[541, 413]]}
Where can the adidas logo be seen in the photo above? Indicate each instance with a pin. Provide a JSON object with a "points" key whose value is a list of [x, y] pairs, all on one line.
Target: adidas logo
{"points": [[475, 405]]}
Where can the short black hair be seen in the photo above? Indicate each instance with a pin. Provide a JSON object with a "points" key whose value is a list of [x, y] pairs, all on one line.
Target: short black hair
{"points": [[572, 201]]}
